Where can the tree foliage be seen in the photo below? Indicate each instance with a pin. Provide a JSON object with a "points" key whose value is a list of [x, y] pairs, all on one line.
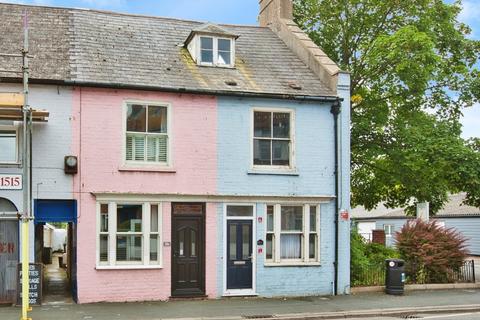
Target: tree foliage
{"points": [[413, 71], [430, 251]]}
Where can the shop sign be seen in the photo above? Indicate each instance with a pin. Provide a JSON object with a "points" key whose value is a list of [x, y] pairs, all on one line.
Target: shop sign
{"points": [[7, 248], [35, 284], [10, 182]]}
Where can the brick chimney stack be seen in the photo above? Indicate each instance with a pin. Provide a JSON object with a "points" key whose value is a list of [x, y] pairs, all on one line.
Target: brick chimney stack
{"points": [[272, 10], [278, 16]]}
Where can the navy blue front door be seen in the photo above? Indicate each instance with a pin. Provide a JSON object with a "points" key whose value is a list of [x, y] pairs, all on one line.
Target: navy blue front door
{"points": [[239, 254]]}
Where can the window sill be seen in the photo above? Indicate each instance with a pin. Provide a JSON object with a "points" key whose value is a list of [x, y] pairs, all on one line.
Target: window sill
{"points": [[211, 65], [292, 264], [273, 172], [10, 164], [147, 169], [129, 267]]}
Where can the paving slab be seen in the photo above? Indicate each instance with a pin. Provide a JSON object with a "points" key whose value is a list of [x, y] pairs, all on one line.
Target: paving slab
{"points": [[366, 304]]}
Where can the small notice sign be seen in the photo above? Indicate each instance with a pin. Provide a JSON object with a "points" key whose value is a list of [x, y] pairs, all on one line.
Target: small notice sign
{"points": [[10, 182], [35, 284], [344, 215]]}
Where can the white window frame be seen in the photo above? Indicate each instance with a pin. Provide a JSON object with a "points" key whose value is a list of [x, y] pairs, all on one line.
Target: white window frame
{"points": [[390, 228], [215, 62], [305, 260], [17, 143], [292, 164], [145, 263], [133, 163]]}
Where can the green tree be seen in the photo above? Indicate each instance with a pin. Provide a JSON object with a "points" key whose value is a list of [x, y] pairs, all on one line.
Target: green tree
{"points": [[413, 71]]}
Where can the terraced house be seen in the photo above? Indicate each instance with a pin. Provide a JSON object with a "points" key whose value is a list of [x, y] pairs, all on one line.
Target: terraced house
{"points": [[213, 160]]}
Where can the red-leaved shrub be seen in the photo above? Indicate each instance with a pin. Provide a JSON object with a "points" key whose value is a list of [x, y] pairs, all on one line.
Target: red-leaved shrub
{"points": [[432, 253]]}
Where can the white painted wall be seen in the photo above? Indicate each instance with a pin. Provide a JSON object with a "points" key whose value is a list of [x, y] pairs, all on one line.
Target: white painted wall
{"points": [[365, 229], [59, 239], [47, 235], [51, 143]]}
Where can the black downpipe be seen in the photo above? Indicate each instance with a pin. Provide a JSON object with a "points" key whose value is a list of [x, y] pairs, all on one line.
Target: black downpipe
{"points": [[335, 110]]}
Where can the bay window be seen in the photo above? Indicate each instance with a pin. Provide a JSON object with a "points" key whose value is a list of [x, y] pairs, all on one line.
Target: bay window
{"points": [[292, 234], [129, 234]]}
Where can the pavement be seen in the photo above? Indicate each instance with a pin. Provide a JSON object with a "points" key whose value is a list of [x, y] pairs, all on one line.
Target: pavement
{"points": [[366, 305], [56, 290], [477, 267]]}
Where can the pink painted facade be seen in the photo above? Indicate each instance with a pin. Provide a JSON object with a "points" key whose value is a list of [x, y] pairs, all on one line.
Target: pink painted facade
{"points": [[98, 135]]}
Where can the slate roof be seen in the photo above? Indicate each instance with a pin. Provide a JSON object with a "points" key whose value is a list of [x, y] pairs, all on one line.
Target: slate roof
{"points": [[452, 209], [120, 50], [49, 41]]}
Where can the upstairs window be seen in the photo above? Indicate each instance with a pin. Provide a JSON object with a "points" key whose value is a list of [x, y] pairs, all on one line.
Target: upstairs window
{"points": [[215, 51], [8, 146], [146, 134], [272, 139]]}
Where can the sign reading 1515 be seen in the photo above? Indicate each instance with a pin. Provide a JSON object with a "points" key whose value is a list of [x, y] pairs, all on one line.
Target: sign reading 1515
{"points": [[10, 181]]}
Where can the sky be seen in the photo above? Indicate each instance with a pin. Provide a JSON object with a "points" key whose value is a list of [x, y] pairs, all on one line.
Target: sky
{"points": [[243, 12]]}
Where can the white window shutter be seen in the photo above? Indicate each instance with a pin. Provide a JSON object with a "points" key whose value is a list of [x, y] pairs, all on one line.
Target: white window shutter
{"points": [[139, 147], [129, 148], [151, 149], [162, 148]]}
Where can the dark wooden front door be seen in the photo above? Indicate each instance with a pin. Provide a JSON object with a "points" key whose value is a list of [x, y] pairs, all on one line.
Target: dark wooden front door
{"points": [[239, 254], [188, 249]]}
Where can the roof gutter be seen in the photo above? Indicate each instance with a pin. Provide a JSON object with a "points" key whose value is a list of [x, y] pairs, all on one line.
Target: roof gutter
{"points": [[242, 94], [202, 91]]}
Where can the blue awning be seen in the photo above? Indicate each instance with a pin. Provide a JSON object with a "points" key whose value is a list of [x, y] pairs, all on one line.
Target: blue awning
{"points": [[55, 210]]}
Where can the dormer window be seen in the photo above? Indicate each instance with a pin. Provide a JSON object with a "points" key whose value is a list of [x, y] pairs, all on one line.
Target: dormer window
{"points": [[206, 49], [211, 45], [215, 51], [224, 51]]}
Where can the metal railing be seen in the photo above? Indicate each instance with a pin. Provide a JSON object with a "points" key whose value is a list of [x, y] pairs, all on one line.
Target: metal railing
{"points": [[374, 275]]}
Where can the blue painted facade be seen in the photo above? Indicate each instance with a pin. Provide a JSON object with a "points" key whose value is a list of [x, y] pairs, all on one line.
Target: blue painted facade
{"points": [[313, 176], [314, 148]]}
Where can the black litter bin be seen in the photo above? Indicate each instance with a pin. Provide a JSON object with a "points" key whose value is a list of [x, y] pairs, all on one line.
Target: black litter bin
{"points": [[394, 276]]}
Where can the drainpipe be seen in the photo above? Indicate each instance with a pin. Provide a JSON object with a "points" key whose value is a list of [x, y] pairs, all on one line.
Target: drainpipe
{"points": [[335, 110]]}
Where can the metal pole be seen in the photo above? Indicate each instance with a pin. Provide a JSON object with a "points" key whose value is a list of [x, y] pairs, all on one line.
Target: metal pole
{"points": [[26, 178]]}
